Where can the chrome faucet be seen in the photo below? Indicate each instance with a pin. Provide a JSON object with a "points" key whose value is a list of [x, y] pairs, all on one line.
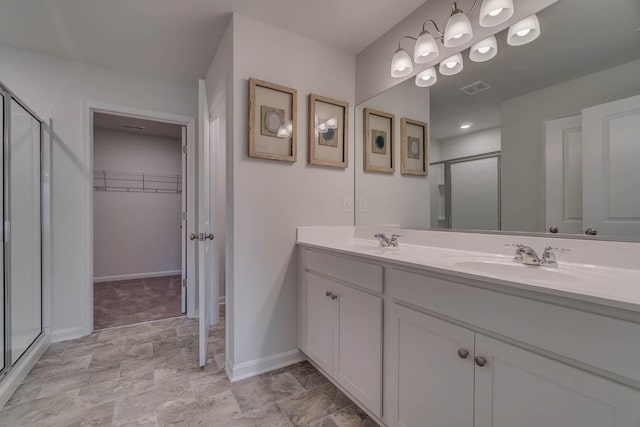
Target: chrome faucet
{"points": [[528, 256], [387, 241]]}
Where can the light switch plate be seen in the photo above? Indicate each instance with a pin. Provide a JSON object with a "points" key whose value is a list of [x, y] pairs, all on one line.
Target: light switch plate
{"points": [[362, 205], [347, 204]]}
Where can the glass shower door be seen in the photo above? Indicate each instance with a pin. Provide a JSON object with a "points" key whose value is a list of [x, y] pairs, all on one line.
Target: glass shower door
{"points": [[24, 257]]}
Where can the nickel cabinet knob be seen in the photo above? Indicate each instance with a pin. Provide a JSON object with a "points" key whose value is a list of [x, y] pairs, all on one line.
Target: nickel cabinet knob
{"points": [[463, 353]]}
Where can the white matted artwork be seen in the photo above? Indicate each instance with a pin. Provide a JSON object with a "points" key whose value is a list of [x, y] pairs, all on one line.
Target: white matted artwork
{"points": [[328, 132], [378, 141], [272, 121], [414, 147]]}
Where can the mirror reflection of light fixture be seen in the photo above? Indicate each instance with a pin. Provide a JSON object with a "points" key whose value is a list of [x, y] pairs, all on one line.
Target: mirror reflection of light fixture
{"points": [[452, 65], [458, 30], [286, 130], [465, 126], [484, 50], [427, 78], [495, 12], [332, 123], [523, 32]]}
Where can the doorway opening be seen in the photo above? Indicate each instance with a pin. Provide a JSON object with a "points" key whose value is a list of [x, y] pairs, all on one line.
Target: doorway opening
{"points": [[139, 220]]}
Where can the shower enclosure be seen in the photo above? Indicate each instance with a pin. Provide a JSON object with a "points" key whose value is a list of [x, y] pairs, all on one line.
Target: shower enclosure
{"points": [[21, 315]]}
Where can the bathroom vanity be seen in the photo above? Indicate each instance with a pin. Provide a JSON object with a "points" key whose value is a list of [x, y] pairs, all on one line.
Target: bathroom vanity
{"points": [[446, 330]]}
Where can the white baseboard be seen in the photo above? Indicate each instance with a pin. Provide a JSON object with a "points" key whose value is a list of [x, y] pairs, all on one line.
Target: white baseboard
{"points": [[10, 384], [136, 276], [252, 368], [67, 334]]}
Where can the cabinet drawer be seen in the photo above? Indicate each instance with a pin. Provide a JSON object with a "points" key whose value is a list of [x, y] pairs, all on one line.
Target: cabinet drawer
{"points": [[358, 273], [602, 342]]}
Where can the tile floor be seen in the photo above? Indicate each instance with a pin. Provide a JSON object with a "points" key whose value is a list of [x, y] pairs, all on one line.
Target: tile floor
{"points": [[147, 375], [127, 302]]}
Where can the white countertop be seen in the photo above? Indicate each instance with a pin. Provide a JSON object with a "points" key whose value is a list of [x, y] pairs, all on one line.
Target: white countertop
{"points": [[604, 285]]}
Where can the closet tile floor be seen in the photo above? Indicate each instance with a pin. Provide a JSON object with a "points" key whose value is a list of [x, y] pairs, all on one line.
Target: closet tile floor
{"points": [[127, 302], [147, 375]]}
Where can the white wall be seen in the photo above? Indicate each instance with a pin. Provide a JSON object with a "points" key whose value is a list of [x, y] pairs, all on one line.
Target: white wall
{"points": [[56, 87], [136, 234], [268, 199], [523, 163], [393, 199], [470, 144]]}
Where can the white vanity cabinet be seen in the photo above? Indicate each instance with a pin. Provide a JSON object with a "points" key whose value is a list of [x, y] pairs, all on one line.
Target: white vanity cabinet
{"points": [[457, 352], [342, 334]]}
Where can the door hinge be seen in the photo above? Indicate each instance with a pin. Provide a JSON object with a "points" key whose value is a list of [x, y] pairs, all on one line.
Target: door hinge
{"points": [[184, 216], [184, 282], [184, 149], [7, 232]]}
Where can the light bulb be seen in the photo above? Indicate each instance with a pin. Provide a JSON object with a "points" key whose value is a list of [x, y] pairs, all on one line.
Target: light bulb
{"points": [[458, 30], [523, 32], [495, 12], [427, 78], [426, 48], [452, 65], [401, 65], [484, 50]]}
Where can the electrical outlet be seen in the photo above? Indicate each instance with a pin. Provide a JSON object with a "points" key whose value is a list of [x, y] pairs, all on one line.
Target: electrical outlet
{"points": [[362, 205], [347, 204]]}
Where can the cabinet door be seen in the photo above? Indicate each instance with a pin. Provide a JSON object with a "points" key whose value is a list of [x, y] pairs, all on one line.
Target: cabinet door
{"points": [[319, 321], [518, 388], [427, 383], [358, 345]]}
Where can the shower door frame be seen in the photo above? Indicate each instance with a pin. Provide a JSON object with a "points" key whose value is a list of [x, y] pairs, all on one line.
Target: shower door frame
{"points": [[8, 96]]}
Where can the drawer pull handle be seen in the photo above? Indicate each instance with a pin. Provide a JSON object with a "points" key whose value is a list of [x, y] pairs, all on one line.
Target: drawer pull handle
{"points": [[463, 353], [480, 361], [328, 294]]}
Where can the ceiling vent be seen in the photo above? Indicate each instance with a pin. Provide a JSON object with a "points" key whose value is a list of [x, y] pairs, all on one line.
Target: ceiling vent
{"points": [[475, 88], [136, 127]]}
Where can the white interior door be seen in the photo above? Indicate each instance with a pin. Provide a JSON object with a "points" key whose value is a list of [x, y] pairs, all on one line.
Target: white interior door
{"points": [[611, 150], [204, 236], [564, 175], [183, 224]]}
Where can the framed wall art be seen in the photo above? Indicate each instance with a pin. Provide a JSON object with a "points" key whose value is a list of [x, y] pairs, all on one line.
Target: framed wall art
{"points": [[328, 132], [272, 121], [414, 147], [378, 141]]}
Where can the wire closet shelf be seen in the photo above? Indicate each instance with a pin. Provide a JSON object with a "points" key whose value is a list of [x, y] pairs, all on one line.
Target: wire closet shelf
{"points": [[136, 182]]}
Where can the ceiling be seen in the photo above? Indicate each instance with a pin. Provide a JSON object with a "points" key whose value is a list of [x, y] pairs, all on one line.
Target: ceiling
{"points": [[175, 40], [123, 124], [579, 37]]}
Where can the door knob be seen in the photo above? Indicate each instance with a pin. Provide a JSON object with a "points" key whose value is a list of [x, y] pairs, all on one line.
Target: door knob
{"points": [[553, 229], [480, 361], [591, 232], [463, 353], [193, 236]]}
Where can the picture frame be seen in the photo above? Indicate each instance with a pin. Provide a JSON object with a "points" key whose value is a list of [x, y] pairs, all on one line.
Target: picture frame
{"points": [[378, 141], [414, 141], [328, 132], [272, 121]]}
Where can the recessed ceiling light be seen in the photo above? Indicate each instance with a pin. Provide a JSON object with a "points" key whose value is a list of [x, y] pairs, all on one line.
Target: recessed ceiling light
{"points": [[465, 126], [136, 127]]}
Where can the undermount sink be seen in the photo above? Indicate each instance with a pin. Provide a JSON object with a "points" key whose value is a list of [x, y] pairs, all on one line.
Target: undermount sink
{"points": [[504, 267]]}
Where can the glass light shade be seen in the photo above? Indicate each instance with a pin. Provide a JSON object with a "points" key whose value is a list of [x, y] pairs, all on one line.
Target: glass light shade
{"points": [[282, 132], [495, 12], [427, 78], [452, 65], [484, 50], [426, 48], [322, 128], [289, 126], [523, 32], [401, 65], [332, 123], [458, 30]]}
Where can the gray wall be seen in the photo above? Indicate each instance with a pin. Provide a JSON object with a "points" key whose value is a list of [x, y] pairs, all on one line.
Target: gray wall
{"points": [[523, 160]]}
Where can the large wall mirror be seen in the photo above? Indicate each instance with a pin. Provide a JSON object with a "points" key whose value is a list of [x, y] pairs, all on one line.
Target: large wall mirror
{"points": [[542, 138]]}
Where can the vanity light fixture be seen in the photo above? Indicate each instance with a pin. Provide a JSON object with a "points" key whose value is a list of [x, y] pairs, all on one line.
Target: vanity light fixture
{"points": [[484, 50], [458, 30], [427, 78], [452, 65], [523, 32], [495, 12]]}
